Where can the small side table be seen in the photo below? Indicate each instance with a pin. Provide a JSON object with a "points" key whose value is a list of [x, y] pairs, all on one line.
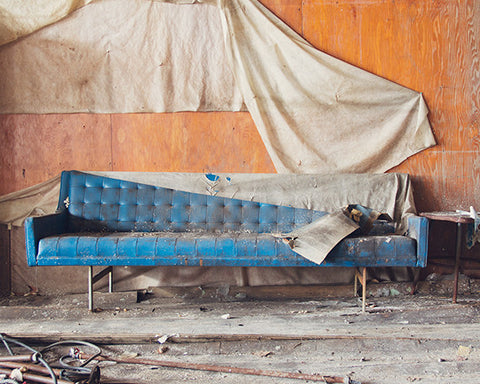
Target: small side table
{"points": [[461, 220]]}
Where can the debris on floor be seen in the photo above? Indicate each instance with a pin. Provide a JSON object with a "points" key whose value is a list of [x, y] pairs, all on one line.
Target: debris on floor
{"points": [[36, 367], [73, 367], [463, 352], [227, 369], [401, 338]]}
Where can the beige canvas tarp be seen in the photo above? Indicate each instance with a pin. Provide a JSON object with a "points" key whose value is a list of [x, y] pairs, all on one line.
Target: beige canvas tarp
{"points": [[20, 18], [315, 114], [390, 193]]}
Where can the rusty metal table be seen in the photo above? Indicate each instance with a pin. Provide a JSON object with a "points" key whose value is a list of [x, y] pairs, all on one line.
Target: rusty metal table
{"points": [[460, 219]]}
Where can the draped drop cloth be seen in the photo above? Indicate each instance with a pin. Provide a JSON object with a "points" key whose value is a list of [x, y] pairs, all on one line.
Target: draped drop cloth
{"points": [[390, 193], [315, 113], [20, 18]]}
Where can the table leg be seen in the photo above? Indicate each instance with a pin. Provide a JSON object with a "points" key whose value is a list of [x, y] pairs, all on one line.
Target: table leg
{"points": [[458, 253], [364, 288]]}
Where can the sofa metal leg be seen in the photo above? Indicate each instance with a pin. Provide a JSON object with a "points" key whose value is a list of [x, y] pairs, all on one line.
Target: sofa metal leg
{"points": [[355, 283], [90, 288], [110, 280], [362, 278], [245, 279], [93, 279], [364, 288]]}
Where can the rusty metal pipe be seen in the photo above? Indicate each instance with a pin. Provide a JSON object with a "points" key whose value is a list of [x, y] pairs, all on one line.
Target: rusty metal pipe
{"points": [[29, 367], [19, 358], [35, 378], [225, 369]]}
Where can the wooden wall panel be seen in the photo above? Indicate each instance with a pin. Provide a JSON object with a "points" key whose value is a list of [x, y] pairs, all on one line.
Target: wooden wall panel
{"points": [[5, 285], [38, 147], [290, 11], [188, 142], [431, 46], [421, 45]]}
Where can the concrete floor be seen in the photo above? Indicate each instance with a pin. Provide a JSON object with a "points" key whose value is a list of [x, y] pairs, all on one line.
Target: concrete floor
{"points": [[400, 339]]}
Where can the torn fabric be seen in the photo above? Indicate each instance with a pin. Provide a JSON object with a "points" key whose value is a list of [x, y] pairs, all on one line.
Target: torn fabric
{"points": [[315, 113], [315, 241]]}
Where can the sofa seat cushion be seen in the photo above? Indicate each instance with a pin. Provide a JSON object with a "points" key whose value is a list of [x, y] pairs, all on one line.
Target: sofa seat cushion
{"points": [[216, 249]]}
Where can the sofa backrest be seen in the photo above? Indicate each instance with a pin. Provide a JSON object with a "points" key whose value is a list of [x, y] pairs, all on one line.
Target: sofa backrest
{"points": [[97, 203]]}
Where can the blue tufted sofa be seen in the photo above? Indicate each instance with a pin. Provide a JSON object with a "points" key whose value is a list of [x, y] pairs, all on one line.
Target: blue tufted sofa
{"points": [[102, 221]]}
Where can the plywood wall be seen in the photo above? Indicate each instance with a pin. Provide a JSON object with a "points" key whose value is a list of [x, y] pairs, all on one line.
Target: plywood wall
{"points": [[431, 46]]}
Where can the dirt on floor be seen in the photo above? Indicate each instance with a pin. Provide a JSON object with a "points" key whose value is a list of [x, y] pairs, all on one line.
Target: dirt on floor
{"points": [[401, 338]]}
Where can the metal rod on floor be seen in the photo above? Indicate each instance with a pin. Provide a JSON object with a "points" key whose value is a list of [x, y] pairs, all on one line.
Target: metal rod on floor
{"points": [[18, 358], [30, 367], [227, 369]]}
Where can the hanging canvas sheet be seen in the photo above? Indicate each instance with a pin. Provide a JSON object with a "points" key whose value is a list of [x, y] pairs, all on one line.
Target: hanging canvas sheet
{"points": [[315, 113]]}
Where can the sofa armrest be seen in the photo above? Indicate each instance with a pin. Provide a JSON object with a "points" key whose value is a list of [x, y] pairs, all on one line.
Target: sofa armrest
{"points": [[37, 228], [418, 228]]}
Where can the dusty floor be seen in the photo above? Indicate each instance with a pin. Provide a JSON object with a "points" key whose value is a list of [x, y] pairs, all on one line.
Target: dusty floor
{"points": [[400, 339]]}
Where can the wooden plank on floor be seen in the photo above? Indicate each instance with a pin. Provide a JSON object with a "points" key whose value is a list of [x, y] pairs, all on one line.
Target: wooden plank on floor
{"points": [[272, 292]]}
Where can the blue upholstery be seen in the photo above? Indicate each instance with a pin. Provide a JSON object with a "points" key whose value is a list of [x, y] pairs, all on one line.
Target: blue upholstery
{"points": [[104, 221], [230, 249], [100, 203]]}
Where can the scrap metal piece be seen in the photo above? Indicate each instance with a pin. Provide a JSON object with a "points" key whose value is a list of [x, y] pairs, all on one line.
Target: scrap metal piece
{"points": [[36, 378], [22, 364], [228, 369], [94, 376]]}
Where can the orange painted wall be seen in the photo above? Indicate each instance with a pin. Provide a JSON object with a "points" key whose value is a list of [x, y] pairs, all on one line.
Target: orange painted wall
{"points": [[432, 46]]}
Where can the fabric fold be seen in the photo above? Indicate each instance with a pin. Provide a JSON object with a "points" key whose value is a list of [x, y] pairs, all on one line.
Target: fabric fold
{"points": [[315, 113], [37, 200], [20, 18], [314, 241]]}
